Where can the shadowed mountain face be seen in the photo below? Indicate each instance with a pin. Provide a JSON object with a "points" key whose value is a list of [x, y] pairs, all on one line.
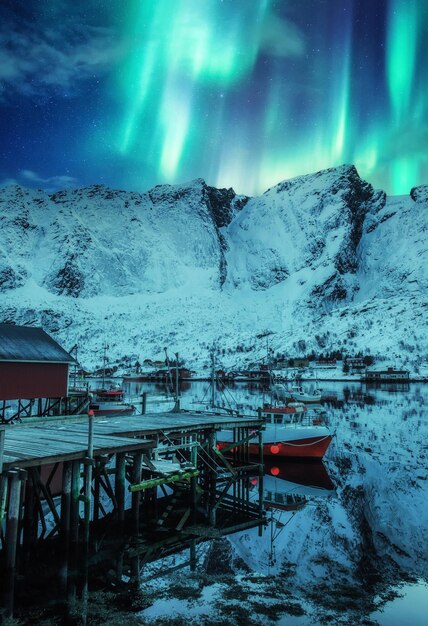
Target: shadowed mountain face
{"points": [[325, 245]]}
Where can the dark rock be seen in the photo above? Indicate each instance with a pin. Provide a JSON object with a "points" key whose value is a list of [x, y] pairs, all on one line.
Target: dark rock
{"points": [[419, 194], [224, 204]]}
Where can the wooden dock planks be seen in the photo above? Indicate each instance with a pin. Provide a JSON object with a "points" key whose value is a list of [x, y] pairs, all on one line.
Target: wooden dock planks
{"points": [[47, 441], [25, 447]]}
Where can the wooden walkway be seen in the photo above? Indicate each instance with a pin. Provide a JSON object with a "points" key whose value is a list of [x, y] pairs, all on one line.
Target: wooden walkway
{"points": [[26, 447], [40, 441]]}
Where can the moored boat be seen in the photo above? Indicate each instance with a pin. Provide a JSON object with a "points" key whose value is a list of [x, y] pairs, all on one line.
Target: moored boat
{"points": [[296, 393], [110, 402], [297, 435]]}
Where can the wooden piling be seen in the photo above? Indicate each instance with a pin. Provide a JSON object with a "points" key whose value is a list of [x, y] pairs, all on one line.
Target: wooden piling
{"points": [[143, 402], [2, 438], [261, 477], [193, 480], [88, 475], [67, 471], [30, 515], [136, 496], [3, 496], [75, 502], [120, 485], [96, 512], [13, 514]]}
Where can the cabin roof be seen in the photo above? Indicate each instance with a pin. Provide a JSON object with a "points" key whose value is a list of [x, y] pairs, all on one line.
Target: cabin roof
{"points": [[29, 343]]}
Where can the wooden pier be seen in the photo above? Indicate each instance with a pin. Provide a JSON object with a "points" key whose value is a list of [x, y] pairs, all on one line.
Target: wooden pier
{"points": [[64, 475]]}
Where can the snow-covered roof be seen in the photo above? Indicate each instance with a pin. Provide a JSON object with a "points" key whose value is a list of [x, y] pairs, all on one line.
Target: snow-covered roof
{"points": [[27, 343]]}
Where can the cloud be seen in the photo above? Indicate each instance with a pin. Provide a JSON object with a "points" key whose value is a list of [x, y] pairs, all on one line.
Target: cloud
{"points": [[36, 58], [52, 183]]}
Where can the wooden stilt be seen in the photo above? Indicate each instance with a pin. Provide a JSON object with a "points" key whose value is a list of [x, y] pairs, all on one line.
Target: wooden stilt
{"points": [[192, 555], [143, 403], [193, 480], [3, 497], [75, 502], [212, 478], [2, 438], [13, 514], [67, 471], [88, 475], [136, 496], [30, 515], [261, 476], [120, 486], [96, 512]]}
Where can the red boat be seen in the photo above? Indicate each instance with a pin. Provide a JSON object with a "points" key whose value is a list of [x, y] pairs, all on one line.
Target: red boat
{"points": [[288, 433]]}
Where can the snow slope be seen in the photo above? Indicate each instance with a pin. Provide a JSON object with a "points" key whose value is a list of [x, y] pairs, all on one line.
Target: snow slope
{"points": [[318, 263]]}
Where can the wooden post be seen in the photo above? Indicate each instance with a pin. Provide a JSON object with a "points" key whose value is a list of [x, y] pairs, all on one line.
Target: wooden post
{"points": [[212, 478], [3, 496], [136, 496], [75, 501], [193, 481], [2, 438], [143, 403], [192, 555], [120, 485], [261, 476], [30, 515], [96, 513], [67, 471], [88, 475], [13, 511]]}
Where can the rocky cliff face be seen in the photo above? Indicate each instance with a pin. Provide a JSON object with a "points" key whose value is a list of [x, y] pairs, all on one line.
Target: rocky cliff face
{"points": [[88, 242], [313, 221], [323, 252]]}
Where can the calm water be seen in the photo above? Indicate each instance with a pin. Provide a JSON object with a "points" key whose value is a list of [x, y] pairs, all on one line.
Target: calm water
{"points": [[344, 542]]}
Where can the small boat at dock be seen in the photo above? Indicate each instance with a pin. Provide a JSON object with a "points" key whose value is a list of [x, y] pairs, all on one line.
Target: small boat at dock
{"points": [[110, 402]]}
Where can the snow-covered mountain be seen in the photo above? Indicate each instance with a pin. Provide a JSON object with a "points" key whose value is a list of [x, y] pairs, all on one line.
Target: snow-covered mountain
{"points": [[319, 262]]}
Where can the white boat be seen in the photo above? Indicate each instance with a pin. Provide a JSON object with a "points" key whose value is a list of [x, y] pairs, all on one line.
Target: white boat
{"points": [[110, 402], [295, 393]]}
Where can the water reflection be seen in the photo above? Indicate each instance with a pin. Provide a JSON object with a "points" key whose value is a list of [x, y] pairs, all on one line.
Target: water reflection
{"points": [[354, 542]]}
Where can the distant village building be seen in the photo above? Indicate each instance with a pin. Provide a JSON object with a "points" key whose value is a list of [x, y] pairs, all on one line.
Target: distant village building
{"points": [[300, 363], [356, 364], [326, 363], [388, 375]]}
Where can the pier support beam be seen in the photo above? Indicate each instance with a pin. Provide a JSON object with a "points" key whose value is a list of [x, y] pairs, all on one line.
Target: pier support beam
{"points": [[13, 515], [136, 496], [2, 438], [75, 502], [120, 486], [30, 515], [67, 472]]}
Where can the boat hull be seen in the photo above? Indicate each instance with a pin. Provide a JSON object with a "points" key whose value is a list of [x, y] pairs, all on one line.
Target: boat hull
{"points": [[113, 412], [306, 448]]}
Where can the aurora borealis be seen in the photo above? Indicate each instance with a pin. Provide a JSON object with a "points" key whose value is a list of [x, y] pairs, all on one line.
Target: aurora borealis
{"points": [[242, 93]]}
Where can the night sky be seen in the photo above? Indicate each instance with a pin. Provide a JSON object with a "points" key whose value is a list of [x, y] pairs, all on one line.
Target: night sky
{"points": [[243, 93]]}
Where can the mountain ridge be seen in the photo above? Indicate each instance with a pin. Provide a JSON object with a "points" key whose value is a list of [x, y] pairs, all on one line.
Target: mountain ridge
{"points": [[322, 255]]}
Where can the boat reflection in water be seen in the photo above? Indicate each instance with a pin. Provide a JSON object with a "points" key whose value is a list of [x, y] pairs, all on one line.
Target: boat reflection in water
{"points": [[289, 485]]}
